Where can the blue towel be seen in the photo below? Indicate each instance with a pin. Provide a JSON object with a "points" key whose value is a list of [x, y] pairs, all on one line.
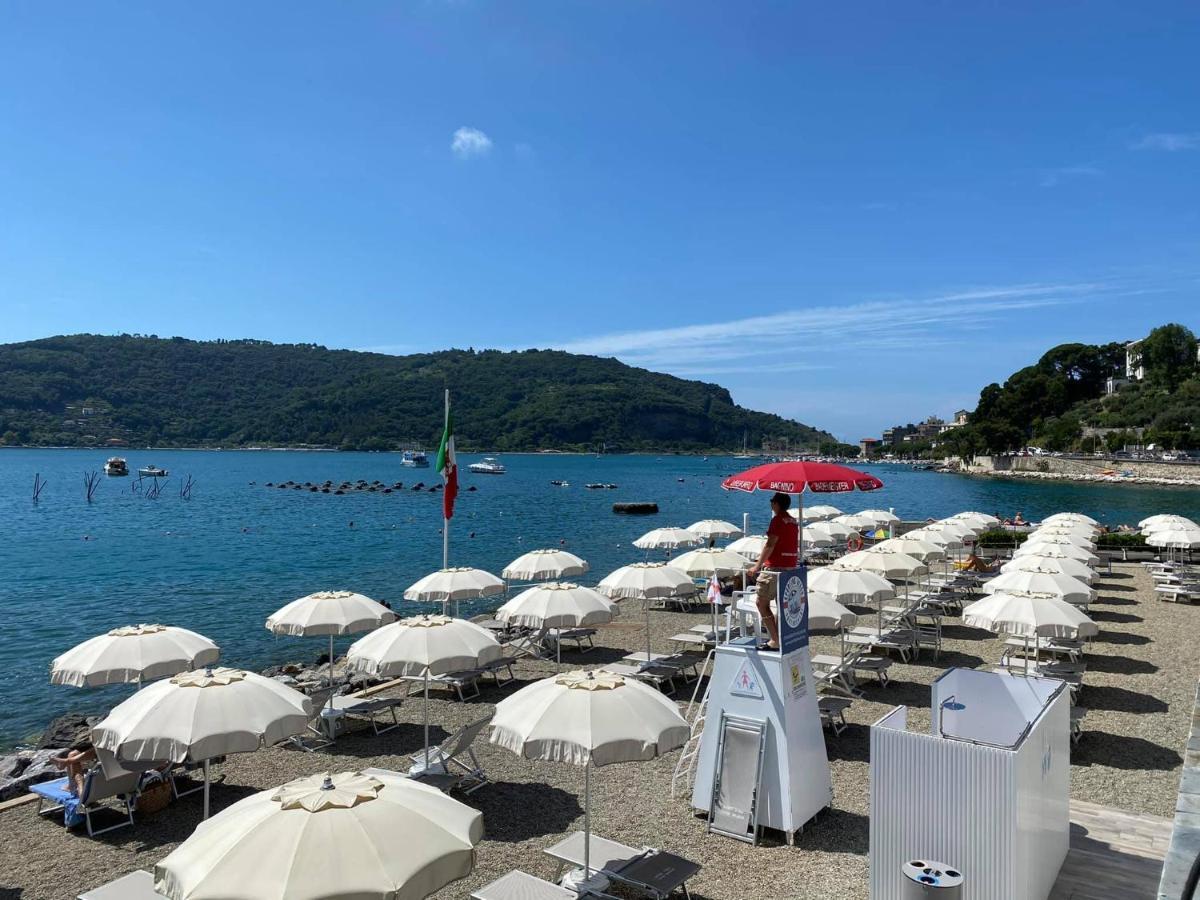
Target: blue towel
{"points": [[56, 792]]}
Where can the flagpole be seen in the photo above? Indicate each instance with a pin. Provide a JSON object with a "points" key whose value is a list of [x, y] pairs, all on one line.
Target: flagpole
{"points": [[445, 521]]}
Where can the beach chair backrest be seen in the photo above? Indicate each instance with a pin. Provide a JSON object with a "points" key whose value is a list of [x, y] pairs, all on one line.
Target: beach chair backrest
{"points": [[460, 742], [100, 786]]}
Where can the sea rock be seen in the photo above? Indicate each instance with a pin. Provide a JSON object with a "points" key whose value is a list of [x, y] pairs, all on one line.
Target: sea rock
{"points": [[635, 509], [66, 730], [25, 767]]}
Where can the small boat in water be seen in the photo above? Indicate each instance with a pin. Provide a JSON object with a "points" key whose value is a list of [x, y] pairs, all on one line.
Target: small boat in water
{"points": [[116, 466], [152, 472], [414, 459], [558, 483], [489, 465]]}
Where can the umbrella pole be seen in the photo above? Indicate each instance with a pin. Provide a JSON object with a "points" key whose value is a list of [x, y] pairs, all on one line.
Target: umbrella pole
{"points": [[206, 789], [427, 718], [330, 700], [647, 603], [587, 820]]}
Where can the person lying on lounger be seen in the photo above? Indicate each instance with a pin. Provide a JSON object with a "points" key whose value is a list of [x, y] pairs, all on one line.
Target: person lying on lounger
{"points": [[975, 563]]}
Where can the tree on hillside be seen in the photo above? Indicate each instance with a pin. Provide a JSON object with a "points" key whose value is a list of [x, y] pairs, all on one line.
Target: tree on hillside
{"points": [[1168, 355]]}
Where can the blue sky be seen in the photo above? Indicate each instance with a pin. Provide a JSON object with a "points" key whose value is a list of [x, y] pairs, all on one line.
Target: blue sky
{"points": [[854, 214]]}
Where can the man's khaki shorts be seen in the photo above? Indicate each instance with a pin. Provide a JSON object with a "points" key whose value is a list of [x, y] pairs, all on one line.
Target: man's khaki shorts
{"points": [[767, 587]]}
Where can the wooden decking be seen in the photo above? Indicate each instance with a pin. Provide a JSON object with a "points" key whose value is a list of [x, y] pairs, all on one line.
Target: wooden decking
{"points": [[1113, 854]]}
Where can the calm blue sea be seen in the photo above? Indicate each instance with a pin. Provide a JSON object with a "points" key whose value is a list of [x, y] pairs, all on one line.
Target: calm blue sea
{"points": [[222, 561]]}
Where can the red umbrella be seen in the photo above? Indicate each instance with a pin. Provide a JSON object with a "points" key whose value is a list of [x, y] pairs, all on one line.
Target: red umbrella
{"points": [[796, 476]]}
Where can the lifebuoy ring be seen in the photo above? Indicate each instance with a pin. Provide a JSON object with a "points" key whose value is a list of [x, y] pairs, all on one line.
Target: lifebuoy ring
{"points": [[854, 542]]}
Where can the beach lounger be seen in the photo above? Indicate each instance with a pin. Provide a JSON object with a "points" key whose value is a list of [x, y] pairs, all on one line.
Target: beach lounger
{"points": [[532, 644], [518, 885], [658, 677], [137, 885], [836, 673], [647, 872], [498, 667], [453, 764], [315, 737], [833, 712], [876, 665], [354, 706], [576, 636], [99, 792], [1177, 592], [464, 684]]}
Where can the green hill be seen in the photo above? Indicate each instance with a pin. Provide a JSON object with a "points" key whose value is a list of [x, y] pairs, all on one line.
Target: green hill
{"points": [[1049, 403], [84, 390]]}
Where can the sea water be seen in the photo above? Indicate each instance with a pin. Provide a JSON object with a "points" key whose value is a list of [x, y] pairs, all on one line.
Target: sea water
{"points": [[237, 550]]}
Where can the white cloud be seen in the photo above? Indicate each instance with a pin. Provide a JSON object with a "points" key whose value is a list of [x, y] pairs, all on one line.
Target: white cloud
{"points": [[1054, 177], [1169, 141], [469, 143], [902, 321]]}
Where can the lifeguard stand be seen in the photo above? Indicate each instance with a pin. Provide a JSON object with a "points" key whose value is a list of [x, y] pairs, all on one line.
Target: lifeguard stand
{"points": [[762, 759]]}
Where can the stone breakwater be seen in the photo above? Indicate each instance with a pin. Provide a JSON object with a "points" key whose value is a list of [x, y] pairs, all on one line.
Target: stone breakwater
{"points": [[1095, 470]]}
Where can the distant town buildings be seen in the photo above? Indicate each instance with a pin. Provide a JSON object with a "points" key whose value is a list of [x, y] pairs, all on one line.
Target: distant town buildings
{"points": [[899, 435]]}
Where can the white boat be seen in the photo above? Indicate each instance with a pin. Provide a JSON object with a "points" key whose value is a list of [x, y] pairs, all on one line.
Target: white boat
{"points": [[152, 472], [414, 459], [116, 465], [489, 465]]}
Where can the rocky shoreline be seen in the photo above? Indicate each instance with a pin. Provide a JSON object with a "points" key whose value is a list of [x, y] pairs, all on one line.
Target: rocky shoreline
{"points": [[1088, 479]]}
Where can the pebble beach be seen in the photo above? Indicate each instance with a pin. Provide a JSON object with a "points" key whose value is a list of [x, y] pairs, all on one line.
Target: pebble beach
{"points": [[1138, 691]]}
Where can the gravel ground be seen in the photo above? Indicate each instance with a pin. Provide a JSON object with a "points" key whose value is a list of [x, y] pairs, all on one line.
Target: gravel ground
{"points": [[1139, 687]]}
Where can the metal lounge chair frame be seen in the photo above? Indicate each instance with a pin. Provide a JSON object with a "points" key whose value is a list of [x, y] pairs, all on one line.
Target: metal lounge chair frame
{"points": [[455, 757]]}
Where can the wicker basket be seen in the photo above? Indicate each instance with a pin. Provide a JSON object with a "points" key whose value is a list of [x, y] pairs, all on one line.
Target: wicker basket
{"points": [[155, 797]]}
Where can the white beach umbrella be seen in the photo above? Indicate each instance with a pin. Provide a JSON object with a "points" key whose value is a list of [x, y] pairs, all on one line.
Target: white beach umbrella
{"points": [[454, 585], [838, 532], [751, 546], [329, 613], [1060, 566], [819, 540], [1070, 517], [878, 517], [891, 565], [586, 719], [923, 550], [850, 585], [545, 565], [133, 654], [1175, 538], [344, 836], [558, 604], [1080, 530], [714, 529], [198, 715], [668, 539], [1080, 534], [826, 612], [647, 581], [1056, 551], [853, 521], [1034, 582], [425, 646], [947, 540], [963, 529], [708, 561], [1059, 540], [819, 512], [980, 517], [1173, 523], [1162, 517], [1028, 616]]}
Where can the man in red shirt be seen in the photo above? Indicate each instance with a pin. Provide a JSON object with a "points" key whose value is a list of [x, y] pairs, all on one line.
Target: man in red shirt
{"points": [[780, 552]]}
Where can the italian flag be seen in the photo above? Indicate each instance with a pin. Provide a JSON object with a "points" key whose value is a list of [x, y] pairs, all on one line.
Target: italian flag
{"points": [[447, 465]]}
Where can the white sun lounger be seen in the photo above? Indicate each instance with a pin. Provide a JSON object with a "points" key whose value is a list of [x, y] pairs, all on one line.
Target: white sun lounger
{"points": [[647, 872], [518, 885], [137, 885]]}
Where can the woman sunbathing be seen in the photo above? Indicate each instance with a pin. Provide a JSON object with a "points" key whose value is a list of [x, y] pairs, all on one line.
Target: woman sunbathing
{"points": [[75, 763]]}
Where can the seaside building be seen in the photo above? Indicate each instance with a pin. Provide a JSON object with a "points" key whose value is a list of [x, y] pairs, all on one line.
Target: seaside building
{"points": [[868, 445]]}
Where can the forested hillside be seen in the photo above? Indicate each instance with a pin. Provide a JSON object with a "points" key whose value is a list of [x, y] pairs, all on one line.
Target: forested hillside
{"points": [[1050, 403], [88, 389]]}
